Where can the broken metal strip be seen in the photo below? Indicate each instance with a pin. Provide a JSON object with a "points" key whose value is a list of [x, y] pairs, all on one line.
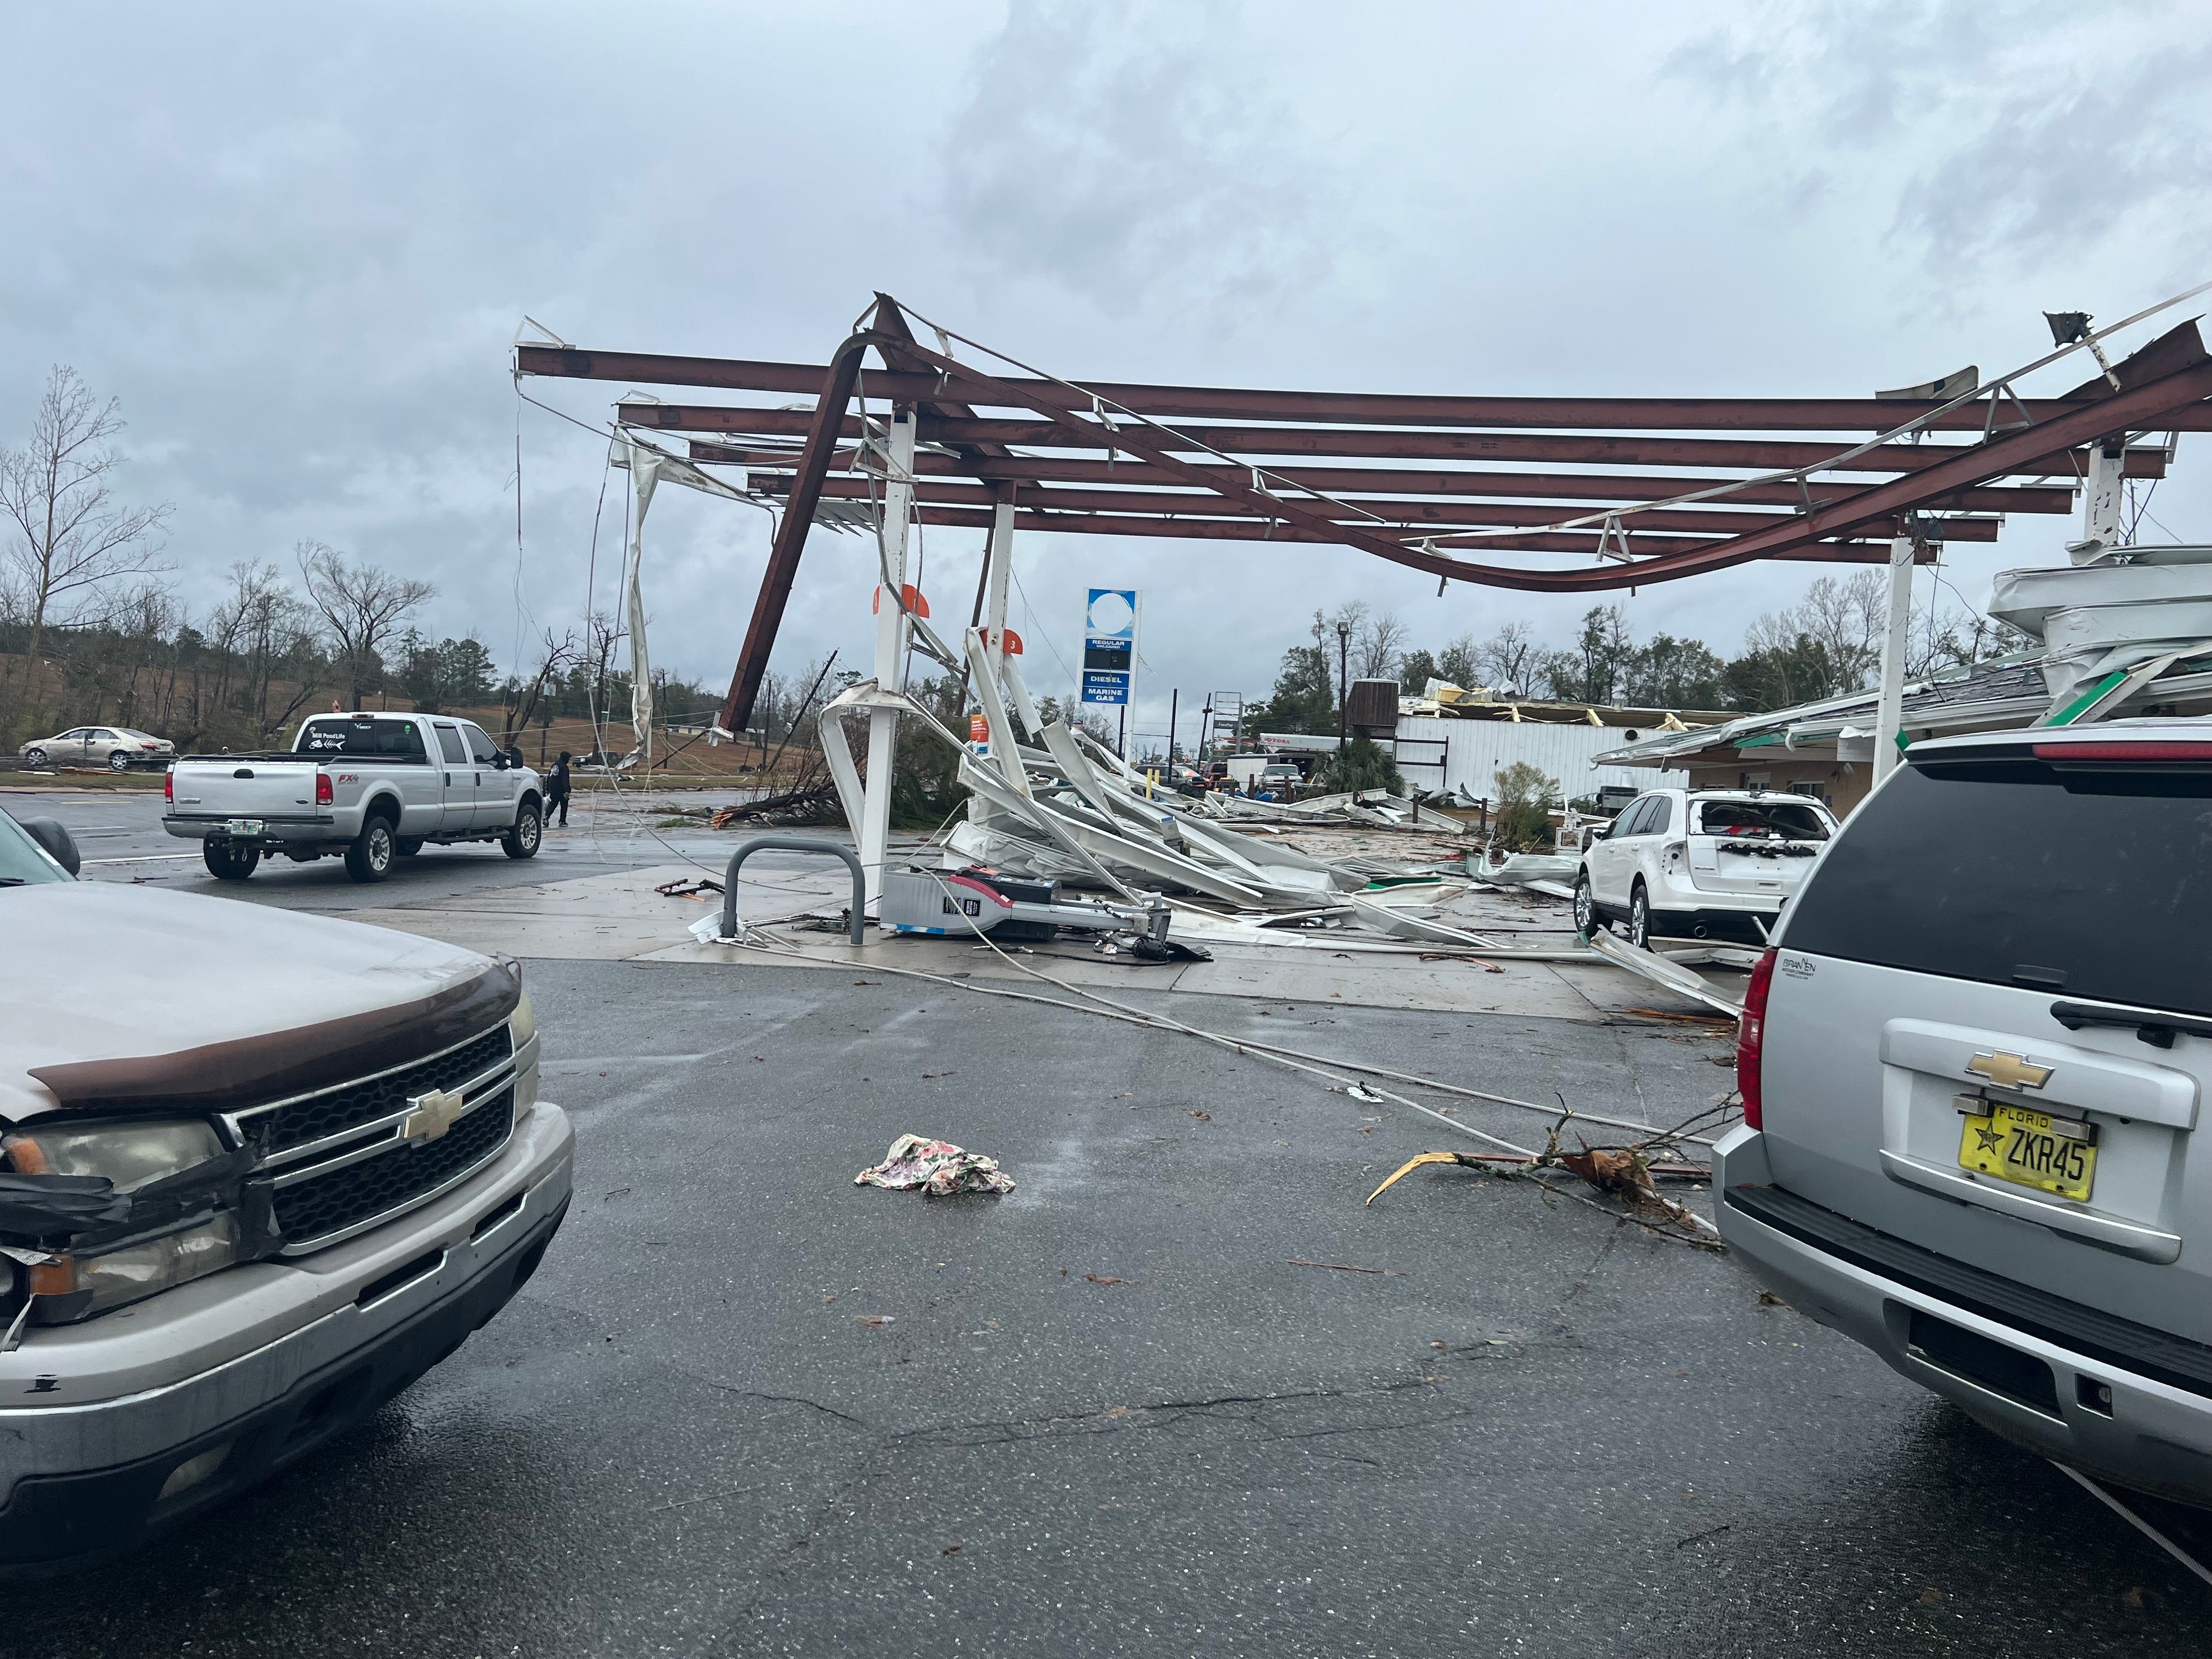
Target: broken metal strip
{"points": [[2144, 407], [1661, 971], [2142, 460], [1463, 496], [1253, 530]]}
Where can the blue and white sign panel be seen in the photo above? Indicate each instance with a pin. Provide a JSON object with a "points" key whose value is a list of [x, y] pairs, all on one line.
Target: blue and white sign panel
{"points": [[1109, 645]]}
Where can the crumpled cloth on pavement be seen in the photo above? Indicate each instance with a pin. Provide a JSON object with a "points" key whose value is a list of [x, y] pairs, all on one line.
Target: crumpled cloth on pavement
{"points": [[938, 1167]]}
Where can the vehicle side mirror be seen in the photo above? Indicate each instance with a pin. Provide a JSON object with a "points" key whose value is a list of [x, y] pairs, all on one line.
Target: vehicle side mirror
{"points": [[57, 841]]}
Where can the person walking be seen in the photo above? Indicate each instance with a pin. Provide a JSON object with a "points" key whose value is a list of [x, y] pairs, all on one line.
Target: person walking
{"points": [[557, 789]]}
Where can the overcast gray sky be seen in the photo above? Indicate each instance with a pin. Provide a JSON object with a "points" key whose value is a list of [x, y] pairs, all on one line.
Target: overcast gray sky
{"points": [[297, 243]]}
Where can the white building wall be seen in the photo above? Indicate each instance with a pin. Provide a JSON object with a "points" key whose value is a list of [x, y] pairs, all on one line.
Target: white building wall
{"points": [[1467, 755]]}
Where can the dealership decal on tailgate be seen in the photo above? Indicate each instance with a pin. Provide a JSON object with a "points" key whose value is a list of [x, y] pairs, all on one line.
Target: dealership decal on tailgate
{"points": [[2029, 1149]]}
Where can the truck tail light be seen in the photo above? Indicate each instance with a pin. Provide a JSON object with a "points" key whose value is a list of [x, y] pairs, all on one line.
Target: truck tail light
{"points": [[169, 787], [324, 793], [1750, 1037]]}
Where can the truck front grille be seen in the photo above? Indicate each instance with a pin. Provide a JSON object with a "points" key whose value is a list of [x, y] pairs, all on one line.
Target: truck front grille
{"points": [[301, 1123], [318, 1207]]}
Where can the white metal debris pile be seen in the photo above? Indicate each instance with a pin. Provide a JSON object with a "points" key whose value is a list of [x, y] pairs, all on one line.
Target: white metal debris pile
{"points": [[1050, 802]]}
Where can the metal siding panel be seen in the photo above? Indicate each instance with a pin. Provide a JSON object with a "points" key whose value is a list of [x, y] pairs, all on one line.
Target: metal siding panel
{"points": [[1476, 751]]}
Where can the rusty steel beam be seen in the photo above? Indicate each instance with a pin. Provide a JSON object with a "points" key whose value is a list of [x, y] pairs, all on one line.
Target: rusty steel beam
{"points": [[1410, 516], [1553, 486], [2142, 461], [2148, 407], [836, 391], [1566, 487], [2139, 408], [1350, 408], [890, 321], [1247, 529]]}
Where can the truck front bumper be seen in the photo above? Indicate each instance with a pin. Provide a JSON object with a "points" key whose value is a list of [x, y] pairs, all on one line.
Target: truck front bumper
{"points": [[110, 1461], [2085, 1387]]}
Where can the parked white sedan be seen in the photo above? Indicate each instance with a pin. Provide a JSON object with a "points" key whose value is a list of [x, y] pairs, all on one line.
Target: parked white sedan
{"points": [[116, 747], [1705, 864]]}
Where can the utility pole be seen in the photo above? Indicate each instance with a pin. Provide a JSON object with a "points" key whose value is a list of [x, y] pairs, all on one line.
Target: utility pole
{"points": [[1174, 698], [1343, 661]]}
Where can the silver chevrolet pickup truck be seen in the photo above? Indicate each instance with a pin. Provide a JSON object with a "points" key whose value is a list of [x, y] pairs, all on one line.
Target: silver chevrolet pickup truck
{"points": [[258, 1171], [368, 787]]}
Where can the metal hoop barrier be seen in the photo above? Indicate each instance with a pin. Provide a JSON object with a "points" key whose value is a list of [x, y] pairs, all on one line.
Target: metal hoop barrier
{"points": [[791, 844]]}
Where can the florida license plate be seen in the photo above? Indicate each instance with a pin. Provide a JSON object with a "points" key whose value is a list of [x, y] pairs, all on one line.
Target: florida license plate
{"points": [[2054, 1155], [243, 827]]}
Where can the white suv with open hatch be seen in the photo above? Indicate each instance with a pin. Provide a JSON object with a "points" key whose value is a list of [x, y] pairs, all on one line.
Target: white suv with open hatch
{"points": [[1713, 864]]}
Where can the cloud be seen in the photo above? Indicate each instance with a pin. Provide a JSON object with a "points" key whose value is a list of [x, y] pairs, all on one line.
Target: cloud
{"points": [[1116, 151], [2033, 126]]}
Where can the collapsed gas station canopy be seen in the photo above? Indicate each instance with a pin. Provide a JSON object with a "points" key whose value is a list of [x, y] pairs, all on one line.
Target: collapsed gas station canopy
{"points": [[1643, 489]]}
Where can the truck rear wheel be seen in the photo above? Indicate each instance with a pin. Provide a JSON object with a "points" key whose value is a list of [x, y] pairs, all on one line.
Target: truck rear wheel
{"points": [[228, 861], [521, 841], [368, 855]]}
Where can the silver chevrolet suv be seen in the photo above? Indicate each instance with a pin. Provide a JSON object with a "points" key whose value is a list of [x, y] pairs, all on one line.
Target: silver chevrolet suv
{"points": [[1974, 1068]]}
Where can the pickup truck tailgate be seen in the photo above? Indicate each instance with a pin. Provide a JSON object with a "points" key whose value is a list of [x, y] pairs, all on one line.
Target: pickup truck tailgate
{"points": [[247, 788]]}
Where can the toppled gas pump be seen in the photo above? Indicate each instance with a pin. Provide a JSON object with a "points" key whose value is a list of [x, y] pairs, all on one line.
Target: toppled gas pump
{"points": [[1011, 908]]}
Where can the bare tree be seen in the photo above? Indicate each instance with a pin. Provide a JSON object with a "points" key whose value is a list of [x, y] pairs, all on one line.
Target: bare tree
{"points": [[1376, 646], [362, 608], [1459, 663], [68, 538], [555, 656], [1845, 619], [1948, 634], [1509, 657], [603, 636]]}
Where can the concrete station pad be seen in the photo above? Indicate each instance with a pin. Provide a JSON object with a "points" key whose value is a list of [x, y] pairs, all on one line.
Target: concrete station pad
{"points": [[617, 916]]}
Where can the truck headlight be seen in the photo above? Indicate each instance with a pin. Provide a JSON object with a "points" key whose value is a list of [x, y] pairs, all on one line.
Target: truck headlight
{"points": [[73, 1287], [129, 1154], [79, 1282], [523, 1022]]}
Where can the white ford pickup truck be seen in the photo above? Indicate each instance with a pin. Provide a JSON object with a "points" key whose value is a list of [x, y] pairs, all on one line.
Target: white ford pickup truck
{"points": [[258, 1171], [370, 787]]}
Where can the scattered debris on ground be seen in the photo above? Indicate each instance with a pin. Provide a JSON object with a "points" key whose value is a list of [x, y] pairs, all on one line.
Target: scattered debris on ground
{"points": [[809, 804], [700, 889], [1344, 1266], [938, 1168], [1626, 1173]]}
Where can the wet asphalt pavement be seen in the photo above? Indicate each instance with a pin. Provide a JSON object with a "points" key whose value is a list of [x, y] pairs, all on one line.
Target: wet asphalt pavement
{"points": [[747, 1407]]}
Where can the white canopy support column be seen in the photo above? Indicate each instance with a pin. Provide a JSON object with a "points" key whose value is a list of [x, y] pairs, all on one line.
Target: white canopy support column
{"points": [[999, 554], [893, 634], [1891, 715], [2102, 493]]}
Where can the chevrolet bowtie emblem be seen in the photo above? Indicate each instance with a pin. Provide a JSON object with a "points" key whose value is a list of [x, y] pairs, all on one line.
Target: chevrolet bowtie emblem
{"points": [[431, 1115], [2009, 1070]]}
